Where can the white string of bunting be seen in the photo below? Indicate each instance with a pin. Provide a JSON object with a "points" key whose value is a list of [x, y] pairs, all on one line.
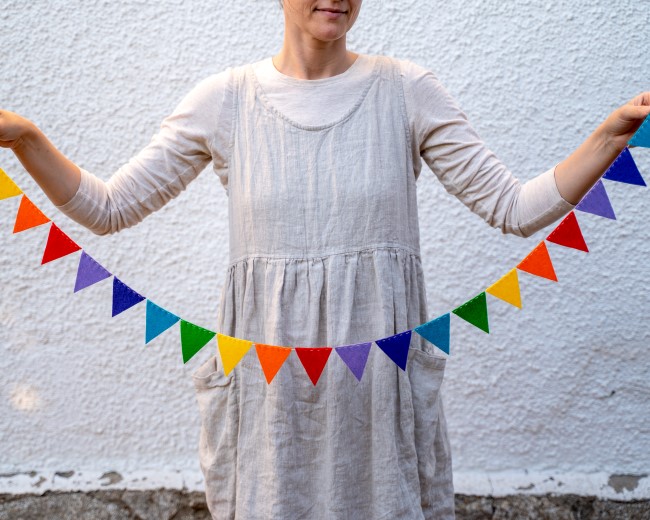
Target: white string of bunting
{"points": [[272, 357]]}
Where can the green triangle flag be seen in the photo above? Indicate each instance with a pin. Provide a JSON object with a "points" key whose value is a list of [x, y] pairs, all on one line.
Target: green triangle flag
{"points": [[193, 339], [475, 312]]}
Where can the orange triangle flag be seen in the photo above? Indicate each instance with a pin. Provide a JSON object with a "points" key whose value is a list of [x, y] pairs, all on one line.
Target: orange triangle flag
{"points": [[58, 245], [538, 262], [507, 289], [28, 216], [568, 234], [271, 358]]}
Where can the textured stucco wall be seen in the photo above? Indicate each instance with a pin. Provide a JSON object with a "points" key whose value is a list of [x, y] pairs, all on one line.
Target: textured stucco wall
{"points": [[558, 392]]}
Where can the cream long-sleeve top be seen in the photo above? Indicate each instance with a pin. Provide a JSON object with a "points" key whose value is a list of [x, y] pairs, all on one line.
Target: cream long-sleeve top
{"points": [[199, 131]]}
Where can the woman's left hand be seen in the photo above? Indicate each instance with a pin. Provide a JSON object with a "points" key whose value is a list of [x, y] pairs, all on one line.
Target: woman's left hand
{"points": [[622, 123], [578, 172]]}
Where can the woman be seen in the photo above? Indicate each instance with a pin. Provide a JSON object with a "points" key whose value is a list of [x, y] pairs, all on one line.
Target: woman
{"points": [[319, 149]]}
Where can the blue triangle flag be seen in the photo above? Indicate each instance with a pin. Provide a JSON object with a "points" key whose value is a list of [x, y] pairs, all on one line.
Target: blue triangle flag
{"points": [[158, 321], [123, 297], [642, 135], [436, 332], [624, 169], [355, 357], [597, 202], [396, 347]]}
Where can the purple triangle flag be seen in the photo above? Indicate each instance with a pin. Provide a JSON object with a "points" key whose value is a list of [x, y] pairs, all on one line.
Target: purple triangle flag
{"points": [[89, 272], [436, 332], [355, 357], [597, 202], [624, 169], [396, 347], [124, 297]]}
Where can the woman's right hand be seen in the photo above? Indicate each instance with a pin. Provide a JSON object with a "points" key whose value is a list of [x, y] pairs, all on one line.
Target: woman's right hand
{"points": [[57, 176], [13, 128]]}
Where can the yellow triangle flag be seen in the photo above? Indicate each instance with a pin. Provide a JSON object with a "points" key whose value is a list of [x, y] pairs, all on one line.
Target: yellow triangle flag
{"points": [[232, 350], [507, 289], [8, 187]]}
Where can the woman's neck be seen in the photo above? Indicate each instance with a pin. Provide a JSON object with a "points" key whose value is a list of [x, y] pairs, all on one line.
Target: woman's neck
{"points": [[314, 60]]}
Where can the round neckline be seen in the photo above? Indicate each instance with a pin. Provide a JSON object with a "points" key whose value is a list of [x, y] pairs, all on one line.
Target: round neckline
{"points": [[314, 83], [320, 81]]}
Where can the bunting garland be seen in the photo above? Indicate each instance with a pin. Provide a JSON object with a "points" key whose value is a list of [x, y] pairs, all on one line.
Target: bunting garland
{"points": [[314, 360]]}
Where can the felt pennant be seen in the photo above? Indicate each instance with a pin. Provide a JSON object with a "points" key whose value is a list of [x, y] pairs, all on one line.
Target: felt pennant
{"points": [[8, 187], [642, 135], [193, 339], [597, 202], [568, 234], [158, 321], [355, 357], [28, 216], [507, 289], [123, 297], [396, 347], [89, 272], [437, 332], [58, 245], [538, 262], [624, 169], [271, 358], [232, 350], [314, 361], [475, 312]]}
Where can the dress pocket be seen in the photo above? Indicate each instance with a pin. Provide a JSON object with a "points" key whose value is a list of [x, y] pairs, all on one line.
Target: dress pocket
{"points": [[210, 375], [216, 395]]}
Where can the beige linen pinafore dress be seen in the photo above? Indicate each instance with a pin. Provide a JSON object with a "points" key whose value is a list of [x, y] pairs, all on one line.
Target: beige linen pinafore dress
{"points": [[324, 246]]}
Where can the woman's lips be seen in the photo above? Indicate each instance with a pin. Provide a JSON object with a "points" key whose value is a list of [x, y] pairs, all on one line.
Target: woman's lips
{"points": [[331, 14]]}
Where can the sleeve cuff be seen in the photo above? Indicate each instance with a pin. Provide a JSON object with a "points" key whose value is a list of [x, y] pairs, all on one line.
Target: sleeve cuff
{"points": [[544, 204]]}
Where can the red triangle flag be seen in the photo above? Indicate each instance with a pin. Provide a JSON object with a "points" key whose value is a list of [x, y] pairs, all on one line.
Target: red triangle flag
{"points": [[314, 361], [538, 262], [568, 234], [58, 245], [28, 216]]}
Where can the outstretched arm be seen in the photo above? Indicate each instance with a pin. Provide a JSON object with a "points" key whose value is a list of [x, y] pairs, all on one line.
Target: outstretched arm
{"points": [[196, 132], [578, 172], [470, 171]]}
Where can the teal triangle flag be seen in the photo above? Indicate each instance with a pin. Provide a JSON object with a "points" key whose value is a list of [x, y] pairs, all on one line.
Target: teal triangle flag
{"points": [[642, 135], [158, 321], [396, 347], [436, 332], [475, 312], [624, 169]]}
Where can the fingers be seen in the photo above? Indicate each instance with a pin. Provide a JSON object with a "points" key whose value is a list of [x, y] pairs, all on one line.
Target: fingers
{"points": [[632, 112], [641, 99]]}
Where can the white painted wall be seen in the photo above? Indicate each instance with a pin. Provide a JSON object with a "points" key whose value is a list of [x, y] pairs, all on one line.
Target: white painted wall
{"points": [[559, 390]]}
